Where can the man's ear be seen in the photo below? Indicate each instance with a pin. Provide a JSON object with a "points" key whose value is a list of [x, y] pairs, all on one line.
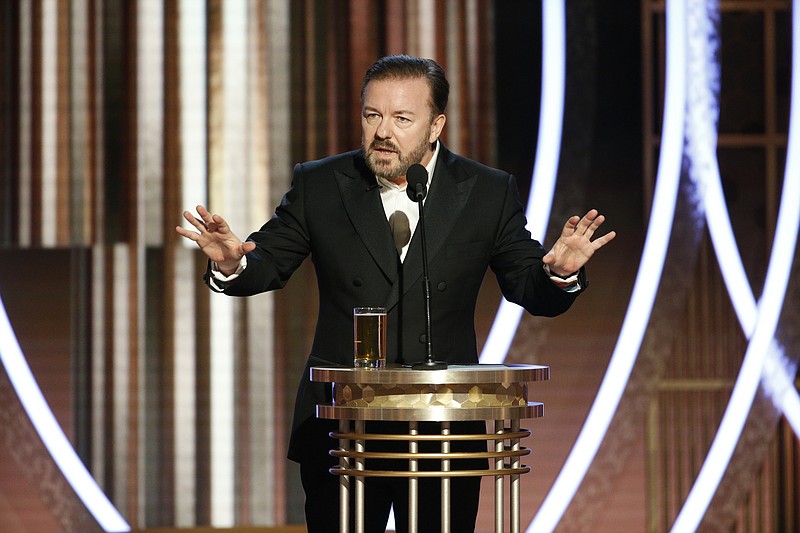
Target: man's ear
{"points": [[436, 128]]}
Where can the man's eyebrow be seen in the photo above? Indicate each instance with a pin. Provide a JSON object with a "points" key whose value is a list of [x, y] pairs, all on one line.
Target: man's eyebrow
{"points": [[403, 112], [398, 112]]}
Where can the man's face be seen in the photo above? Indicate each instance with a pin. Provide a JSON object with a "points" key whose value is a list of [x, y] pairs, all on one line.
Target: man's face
{"points": [[397, 129]]}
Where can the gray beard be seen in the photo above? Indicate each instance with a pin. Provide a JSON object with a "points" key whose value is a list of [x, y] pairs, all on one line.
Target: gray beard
{"points": [[394, 172]]}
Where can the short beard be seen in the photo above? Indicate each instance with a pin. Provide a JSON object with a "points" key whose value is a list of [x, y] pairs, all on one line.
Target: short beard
{"points": [[393, 171]]}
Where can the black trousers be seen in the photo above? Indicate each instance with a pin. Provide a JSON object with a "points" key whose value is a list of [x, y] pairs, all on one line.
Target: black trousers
{"points": [[322, 488]]}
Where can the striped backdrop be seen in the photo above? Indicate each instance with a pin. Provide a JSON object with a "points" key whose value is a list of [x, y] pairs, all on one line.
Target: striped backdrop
{"points": [[125, 113]]}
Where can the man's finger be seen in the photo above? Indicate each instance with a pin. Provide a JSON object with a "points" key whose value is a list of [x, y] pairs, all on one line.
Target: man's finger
{"points": [[571, 225], [194, 221], [587, 220], [605, 239], [594, 225]]}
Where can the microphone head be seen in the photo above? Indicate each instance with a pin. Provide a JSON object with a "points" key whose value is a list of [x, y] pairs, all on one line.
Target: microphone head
{"points": [[417, 179]]}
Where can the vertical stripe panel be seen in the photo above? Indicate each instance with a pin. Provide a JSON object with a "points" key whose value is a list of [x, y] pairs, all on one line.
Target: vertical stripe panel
{"points": [[222, 409], [193, 98], [103, 433], [121, 372], [216, 106], [309, 72], [261, 417], [203, 319], [100, 423], [229, 192], [427, 28], [49, 113], [185, 385], [396, 40], [277, 117], [150, 117], [63, 124], [454, 35], [97, 201], [257, 55], [270, 491], [165, 428], [412, 27], [79, 145], [257, 468], [25, 122], [233, 185], [472, 82], [148, 228], [222, 179]]}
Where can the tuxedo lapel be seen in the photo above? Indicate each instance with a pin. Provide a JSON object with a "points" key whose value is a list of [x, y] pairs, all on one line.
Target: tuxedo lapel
{"points": [[446, 200], [361, 198]]}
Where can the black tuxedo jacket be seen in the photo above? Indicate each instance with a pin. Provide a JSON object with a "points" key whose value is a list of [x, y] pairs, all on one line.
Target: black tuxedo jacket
{"points": [[333, 212]]}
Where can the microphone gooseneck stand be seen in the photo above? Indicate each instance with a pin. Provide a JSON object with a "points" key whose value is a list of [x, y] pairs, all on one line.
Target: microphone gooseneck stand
{"points": [[416, 189]]}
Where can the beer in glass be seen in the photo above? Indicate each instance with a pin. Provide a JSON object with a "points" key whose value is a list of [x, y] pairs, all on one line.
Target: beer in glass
{"points": [[369, 329]]}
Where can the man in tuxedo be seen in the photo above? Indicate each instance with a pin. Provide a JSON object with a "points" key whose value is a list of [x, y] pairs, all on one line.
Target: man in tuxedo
{"points": [[351, 213]]}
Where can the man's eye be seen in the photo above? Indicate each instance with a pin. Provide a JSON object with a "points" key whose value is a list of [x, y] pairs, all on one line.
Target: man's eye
{"points": [[372, 117], [403, 120]]}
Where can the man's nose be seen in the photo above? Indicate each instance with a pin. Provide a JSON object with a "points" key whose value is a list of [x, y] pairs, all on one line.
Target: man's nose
{"points": [[384, 130]]}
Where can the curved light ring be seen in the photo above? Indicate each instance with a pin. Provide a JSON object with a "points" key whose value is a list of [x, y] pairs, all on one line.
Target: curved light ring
{"points": [[752, 367], [776, 377], [769, 308], [50, 431], [645, 287], [548, 152], [704, 170]]}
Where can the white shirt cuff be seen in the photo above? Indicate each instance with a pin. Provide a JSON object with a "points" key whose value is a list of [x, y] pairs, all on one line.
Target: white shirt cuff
{"points": [[569, 284], [216, 275]]}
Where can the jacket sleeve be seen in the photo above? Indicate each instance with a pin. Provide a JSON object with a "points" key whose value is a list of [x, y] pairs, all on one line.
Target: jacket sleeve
{"points": [[282, 244], [518, 267]]}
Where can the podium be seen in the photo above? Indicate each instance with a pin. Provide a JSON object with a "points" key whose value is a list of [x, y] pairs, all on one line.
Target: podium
{"points": [[497, 393]]}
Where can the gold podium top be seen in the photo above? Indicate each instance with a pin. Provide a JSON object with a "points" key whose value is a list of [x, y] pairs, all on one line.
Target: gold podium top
{"points": [[453, 374], [460, 392]]}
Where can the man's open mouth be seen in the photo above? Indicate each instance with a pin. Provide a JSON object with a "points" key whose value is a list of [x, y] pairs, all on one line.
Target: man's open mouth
{"points": [[383, 149]]}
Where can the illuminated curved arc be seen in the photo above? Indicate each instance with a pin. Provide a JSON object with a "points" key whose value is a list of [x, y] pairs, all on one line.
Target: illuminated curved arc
{"points": [[645, 286], [701, 145], [777, 371], [751, 370], [777, 376], [703, 111], [769, 308], [51, 434], [545, 171]]}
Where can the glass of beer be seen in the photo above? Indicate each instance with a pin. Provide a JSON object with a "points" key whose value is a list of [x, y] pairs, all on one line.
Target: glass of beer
{"points": [[369, 334]]}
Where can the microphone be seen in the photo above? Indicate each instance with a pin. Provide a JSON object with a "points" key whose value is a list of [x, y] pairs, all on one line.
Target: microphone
{"points": [[417, 180], [416, 188]]}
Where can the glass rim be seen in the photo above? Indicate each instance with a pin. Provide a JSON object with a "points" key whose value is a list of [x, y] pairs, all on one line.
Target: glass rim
{"points": [[363, 310]]}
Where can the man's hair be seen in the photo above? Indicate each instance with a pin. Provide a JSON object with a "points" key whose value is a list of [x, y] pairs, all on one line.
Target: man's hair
{"points": [[408, 67]]}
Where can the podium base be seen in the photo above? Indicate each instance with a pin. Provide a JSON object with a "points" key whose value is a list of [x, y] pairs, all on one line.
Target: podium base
{"points": [[429, 365]]}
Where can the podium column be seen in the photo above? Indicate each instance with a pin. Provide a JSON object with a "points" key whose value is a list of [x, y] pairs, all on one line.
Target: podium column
{"points": [[496, 393]]}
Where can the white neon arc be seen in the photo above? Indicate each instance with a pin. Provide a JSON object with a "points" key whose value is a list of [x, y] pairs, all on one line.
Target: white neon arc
{"points": [[645, 286], [704, 170], [545, 170], [768, 310], [46, 425]]}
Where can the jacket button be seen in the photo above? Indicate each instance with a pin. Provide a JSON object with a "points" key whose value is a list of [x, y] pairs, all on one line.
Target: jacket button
{"points": [[357, 282], [442, 286], [423, 339]]}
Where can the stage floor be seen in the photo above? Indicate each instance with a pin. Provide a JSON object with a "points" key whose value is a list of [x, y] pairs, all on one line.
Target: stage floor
{"points": [[249, 529]]}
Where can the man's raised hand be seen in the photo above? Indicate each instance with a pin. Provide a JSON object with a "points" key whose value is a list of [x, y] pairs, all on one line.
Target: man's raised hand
{"points": [[216, 239], [575, 246]]}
